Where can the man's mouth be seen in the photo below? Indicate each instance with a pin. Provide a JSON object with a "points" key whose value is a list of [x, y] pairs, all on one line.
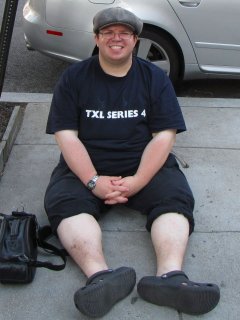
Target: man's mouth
{"points": [[116, 47]]}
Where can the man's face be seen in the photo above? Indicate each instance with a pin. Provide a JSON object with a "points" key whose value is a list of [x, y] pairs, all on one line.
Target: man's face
{"points": [[116, 43]]}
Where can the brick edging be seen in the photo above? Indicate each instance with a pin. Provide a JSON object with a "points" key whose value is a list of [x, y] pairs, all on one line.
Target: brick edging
{"points": [[9, 136]]}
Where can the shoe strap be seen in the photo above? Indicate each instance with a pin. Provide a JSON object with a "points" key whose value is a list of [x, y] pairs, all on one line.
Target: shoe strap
{"points": [[172, 274], [96, 275]]}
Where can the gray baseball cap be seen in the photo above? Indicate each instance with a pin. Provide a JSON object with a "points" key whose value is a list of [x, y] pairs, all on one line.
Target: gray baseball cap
{"points": [[117, 15]]}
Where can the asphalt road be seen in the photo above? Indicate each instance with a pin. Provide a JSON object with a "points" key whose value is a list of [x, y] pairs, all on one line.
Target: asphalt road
{"points": [[32, 72]]}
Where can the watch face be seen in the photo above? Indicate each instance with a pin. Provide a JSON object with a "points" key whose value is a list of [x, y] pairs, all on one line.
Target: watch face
{"points": [[91, 184]]}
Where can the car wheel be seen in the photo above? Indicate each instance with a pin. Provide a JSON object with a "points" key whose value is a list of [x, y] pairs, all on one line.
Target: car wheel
{"points": [[155, 46]]}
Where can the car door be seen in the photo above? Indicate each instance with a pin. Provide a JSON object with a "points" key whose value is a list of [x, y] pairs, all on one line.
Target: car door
{"points": [[213, 29]]}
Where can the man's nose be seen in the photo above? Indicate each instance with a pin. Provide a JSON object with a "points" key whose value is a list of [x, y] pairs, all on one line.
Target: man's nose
{"points": [[117, 35]]}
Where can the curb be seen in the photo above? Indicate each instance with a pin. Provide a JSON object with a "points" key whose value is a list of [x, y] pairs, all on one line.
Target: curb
{"points": [[9, 136], [24, 97]]}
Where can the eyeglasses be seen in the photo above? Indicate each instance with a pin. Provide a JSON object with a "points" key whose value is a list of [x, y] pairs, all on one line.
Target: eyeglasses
{"points": [[122, 35]]}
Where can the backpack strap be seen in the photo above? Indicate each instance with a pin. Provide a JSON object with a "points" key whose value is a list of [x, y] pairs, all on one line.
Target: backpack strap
{"points": [[44, 233]]}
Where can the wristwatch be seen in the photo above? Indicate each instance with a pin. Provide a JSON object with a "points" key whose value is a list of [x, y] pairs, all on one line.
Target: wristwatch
{"points": [[92, 183]]}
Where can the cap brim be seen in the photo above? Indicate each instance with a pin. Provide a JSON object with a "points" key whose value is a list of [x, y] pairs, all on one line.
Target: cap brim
{"points": [[116, 23]]}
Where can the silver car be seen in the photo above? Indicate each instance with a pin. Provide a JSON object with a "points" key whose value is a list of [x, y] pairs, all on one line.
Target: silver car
{"points": [[187, 38]]}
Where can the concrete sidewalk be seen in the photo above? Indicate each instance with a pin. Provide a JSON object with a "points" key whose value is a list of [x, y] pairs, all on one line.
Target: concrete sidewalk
{"points": [[211, 147]]}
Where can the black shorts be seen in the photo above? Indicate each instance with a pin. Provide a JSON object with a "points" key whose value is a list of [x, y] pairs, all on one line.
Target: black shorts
{"points": [[168, 191]]}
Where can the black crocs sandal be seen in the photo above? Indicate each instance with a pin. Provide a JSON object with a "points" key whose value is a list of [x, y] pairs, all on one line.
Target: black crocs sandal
{"points": [[175, 290], [103, 290]]}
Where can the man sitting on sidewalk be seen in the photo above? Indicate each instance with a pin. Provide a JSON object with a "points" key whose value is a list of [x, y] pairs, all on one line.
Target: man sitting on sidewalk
{"points": [[115, 118]]}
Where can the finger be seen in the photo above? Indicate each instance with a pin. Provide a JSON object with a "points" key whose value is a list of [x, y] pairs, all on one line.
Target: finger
{"points": [[116, 200], [116, 178], [120, 188], [110, 202], [117, 182], [112, 195], [122, 199]]}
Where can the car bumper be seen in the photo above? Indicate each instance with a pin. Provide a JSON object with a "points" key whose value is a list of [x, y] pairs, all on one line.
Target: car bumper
{"points": [[69, 45]]}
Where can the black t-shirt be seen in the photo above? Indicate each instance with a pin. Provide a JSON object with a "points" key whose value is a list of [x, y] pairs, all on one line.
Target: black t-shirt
{"points": [[114, 116]]}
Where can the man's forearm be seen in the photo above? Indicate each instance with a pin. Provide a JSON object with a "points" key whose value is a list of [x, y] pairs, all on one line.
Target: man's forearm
{"points": [[155, 155], [75, 155]]}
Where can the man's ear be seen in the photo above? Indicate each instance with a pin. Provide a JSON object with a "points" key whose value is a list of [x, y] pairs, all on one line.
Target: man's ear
{"points": [[96, 38]]}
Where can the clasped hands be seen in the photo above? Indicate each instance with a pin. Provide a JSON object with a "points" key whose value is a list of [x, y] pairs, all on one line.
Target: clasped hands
{"points": [[116, 189]]}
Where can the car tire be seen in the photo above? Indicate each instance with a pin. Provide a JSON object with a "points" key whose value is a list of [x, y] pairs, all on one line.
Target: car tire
{"points": [[155, 46]]}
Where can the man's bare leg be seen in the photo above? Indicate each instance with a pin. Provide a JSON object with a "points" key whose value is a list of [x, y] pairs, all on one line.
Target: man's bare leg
{"points": [[81, 236], [171, 287], [170, 234]]}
